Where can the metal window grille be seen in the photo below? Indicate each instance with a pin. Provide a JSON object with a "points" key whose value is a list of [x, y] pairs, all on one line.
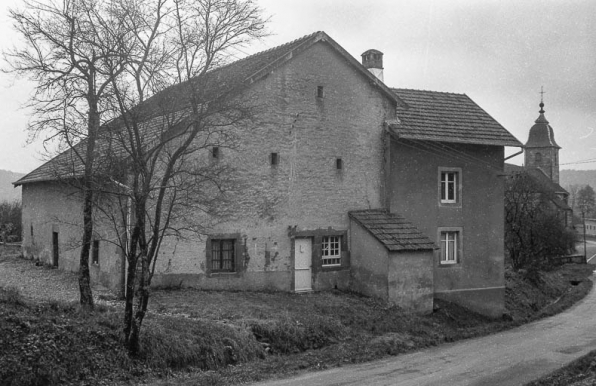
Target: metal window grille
{"points": [[449, 247], [331, 250], [222, 255], [448, 187]]}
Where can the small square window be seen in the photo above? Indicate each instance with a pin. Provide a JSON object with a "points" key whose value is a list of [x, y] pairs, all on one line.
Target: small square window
{"points": [[320, 92], [215, 152], [449, 247], [331, 250], [223, 255], [339, 164], [95, 252], [274, 159]]}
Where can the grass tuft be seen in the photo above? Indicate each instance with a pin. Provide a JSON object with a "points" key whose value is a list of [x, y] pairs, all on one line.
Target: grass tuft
{"points": [[11, 296], [177, 343]]}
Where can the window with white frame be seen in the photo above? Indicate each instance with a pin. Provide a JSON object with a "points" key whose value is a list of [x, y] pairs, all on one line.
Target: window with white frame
{"points": [[331, 250], [449, 247], [449, 187]]}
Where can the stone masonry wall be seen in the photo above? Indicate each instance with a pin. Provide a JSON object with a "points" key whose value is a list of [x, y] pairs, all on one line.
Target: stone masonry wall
{"points": [[305, 193]]}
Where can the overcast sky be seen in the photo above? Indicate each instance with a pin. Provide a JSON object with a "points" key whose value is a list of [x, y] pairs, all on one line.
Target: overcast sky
{"points": [[497, 52]]}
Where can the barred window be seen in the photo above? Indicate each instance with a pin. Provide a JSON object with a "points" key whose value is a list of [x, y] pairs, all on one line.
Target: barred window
{"points": [[222, 255], [331, 250]]}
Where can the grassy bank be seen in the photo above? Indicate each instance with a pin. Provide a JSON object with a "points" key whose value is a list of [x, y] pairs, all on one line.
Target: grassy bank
{"points": [[193, 337]]}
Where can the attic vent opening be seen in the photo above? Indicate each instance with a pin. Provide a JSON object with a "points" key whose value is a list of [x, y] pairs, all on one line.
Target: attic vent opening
{"points": [[274, 159], [320, 92]]}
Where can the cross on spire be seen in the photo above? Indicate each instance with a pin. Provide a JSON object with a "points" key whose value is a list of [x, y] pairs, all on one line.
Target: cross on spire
{"points": [[542, 92]]}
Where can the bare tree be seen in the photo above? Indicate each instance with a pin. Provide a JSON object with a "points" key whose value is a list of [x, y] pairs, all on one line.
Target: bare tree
{"points": [[68, 48], [170, 112], [534, 230], [573, 189], [586, 201]]}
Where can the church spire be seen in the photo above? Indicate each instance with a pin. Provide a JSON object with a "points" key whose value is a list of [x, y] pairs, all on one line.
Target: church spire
{"points": [[541, 150]]}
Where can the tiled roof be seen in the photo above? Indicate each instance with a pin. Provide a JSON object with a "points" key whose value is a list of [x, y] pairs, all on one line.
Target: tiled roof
{"points": [[392, 230], [542, 182], [220, 81], [447, 117]]}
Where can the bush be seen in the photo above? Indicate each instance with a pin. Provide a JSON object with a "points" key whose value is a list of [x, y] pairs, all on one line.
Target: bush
{"points": [[10, 221]]}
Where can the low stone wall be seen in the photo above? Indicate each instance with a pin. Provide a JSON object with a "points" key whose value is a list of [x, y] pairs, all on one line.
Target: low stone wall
{"points": [[570, 259]]}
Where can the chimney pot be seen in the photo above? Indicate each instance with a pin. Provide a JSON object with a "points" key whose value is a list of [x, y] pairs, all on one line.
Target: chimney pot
{"points": [[373, 61]]}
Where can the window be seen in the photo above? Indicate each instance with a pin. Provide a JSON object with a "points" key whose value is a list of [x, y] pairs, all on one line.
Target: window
{"points": [[215, 152], [449, 187], [449, 247], [538, 158], [320, 92], [222, 255], [339, 164], [274, 159], [331, 250], [95, 252]]}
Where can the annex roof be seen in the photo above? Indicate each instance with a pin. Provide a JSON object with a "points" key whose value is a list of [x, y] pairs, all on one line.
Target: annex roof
{"points": [[446, 117], [392, 230], [225, 79]]}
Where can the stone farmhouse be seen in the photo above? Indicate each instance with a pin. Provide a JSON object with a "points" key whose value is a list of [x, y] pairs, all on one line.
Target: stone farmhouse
{"points": [[348, 184]]}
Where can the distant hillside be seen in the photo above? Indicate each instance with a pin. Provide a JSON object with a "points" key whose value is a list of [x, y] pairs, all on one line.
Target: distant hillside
{"points": [[7, 190], [577, 177]]}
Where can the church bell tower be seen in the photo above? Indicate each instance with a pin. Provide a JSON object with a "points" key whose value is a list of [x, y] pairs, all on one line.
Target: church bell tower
{"points": [[541, 150]]}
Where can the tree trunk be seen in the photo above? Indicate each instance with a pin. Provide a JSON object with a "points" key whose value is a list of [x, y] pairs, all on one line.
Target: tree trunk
{"points": [[84, 277], [134, 343]]}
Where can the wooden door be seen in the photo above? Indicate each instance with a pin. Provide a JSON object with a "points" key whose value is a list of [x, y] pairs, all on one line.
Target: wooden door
{"points": [[302, 264], [55, 249]]}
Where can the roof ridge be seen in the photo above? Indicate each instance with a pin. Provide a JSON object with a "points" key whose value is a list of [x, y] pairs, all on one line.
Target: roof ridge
{"points": [[421, 90], [305, 37]]}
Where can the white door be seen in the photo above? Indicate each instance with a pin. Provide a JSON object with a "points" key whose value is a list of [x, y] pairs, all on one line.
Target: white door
{"points": [[302, 264]]}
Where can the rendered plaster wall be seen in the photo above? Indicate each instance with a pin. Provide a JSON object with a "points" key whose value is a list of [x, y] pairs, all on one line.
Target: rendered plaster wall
{"points": [[370, 263], [477, 280], [53, 207], [410, 280], [305, 192]]}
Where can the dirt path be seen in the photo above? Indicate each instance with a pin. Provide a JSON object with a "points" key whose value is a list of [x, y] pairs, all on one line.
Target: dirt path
{"points": [[40, 282], [514, 357]]}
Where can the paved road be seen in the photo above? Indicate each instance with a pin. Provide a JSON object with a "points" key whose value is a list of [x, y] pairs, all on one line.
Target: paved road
{"points": [[510, 358], [590, 250]]}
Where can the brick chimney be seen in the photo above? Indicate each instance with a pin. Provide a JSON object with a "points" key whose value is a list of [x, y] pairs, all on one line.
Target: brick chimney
{"points": [[373, 61]]}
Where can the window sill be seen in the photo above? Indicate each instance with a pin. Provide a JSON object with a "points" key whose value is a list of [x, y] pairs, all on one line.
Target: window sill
{"points": [[331, 268], [216, 274]]}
